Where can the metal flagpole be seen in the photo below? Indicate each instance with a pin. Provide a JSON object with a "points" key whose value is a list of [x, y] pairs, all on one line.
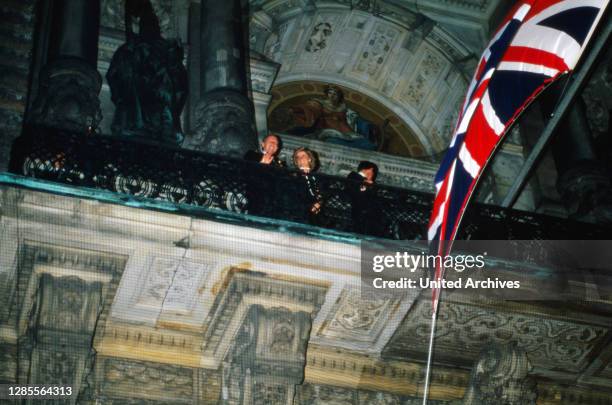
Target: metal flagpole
{"points": [[434, 318]]}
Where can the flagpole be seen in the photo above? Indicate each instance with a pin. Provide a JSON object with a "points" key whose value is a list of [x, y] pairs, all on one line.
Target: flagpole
{"points": [[434, 317]]}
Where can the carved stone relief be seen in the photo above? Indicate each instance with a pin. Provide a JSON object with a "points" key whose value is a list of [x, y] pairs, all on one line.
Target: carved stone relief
{"points": [[269, 394], [501, 375], [70, 304], [378, 398], [310, 394], [375, 53], [355, 318], [139, 378], [173, 283], [463, 329], [68, 96], [316, 394], [415, 92], [318, 38]]}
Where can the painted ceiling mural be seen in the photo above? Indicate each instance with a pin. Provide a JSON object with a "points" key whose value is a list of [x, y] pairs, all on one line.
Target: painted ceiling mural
{"points": [[339, 115]]}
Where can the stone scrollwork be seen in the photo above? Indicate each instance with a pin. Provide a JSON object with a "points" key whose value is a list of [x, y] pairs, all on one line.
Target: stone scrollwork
{"points": [[174, 379], [358, 313], [310, 394], [222, 118], [550, 342], [68, 97]]}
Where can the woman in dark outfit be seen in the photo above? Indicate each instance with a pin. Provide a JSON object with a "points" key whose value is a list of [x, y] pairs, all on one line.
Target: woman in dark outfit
{"points": [[308, 198]]}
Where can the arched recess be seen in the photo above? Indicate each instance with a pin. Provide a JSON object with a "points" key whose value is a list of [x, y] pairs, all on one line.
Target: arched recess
{"points": [[413, 74], [393, 137]]}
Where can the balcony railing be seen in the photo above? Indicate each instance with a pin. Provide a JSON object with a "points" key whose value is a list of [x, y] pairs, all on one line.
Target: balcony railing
{"points": [[180, 176]]}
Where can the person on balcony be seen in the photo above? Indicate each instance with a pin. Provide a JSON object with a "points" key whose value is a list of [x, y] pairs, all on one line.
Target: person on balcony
{"points": [[309, 199], [262, 189], [268, 155], [365, 210]]}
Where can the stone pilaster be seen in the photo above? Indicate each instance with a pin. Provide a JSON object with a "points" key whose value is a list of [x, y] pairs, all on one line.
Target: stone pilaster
{"points": [[270, 321], [263, 75], [70, 83], [224, 114], [60, 307]]}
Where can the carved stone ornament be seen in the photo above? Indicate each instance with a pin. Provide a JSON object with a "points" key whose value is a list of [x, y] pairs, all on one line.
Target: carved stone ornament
{"points": [[222, 119], [318, 37], [68, 96], [500, 377]]}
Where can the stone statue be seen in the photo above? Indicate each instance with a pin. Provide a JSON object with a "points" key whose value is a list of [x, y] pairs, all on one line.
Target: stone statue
{"points": [[147, 78]]}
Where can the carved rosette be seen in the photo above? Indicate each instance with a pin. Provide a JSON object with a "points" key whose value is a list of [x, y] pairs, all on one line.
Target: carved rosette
{"points": [[224, 124], [68, 96]]}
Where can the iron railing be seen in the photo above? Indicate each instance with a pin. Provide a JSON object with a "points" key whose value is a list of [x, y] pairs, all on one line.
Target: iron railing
{"points": [[180, 176]]}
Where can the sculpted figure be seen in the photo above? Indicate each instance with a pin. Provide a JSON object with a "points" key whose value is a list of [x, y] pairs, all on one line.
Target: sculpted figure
{"points": [[147, 78], [318, 38], [330, 119]]}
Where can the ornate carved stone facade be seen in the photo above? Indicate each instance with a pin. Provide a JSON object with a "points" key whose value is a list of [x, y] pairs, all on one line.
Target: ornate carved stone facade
{"points": [[209, 312], [135, 306], [501, 373], [221, 120], [68, 97]]}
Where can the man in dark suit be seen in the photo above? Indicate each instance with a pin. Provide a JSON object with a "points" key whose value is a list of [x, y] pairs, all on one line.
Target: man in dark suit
{"points": [[270, 148], [361, 189], [261, 189]]}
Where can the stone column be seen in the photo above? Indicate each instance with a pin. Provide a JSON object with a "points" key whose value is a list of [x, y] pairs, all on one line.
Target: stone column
{"points": [[224, 114], [583, 182], [70, 82]]}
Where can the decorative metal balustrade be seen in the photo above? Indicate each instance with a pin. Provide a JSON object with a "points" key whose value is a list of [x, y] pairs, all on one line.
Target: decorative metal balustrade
{"points": [[180, 176]]}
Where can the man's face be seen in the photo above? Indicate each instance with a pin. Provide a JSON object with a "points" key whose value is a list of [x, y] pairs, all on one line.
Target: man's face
{"points": [[270, 145], [369, 174]]}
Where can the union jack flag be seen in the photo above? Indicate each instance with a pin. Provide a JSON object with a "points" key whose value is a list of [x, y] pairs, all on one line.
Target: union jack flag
{"points": [[539, 41]]}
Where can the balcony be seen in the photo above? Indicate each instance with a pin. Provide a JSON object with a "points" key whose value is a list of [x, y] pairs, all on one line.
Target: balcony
{"points": [[198, 182]]}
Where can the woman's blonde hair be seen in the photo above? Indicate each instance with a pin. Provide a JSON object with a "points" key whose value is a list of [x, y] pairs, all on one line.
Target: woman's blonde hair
{"points": [[312, 157]]}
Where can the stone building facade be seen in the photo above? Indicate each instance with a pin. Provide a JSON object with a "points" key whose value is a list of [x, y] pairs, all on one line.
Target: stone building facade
{"points": [[133, 296]]}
